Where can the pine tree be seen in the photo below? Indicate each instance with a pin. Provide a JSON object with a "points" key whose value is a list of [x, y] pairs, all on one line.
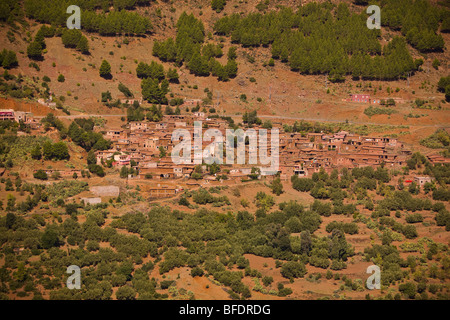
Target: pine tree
{"points": [[156, 71], [83, 45], [9, 59], [172, 75], [142, 70], [91, 158], [295, 60], [105, 70], [445, 26], [48, 150], [34, 50], [152, 92], [198, 66], [232, 55], [231, 68], [164, 88]]}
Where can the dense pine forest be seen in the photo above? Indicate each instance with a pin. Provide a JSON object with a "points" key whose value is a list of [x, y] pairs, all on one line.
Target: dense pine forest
{"points": [[323, 39], [105, 23], [317, 38]]}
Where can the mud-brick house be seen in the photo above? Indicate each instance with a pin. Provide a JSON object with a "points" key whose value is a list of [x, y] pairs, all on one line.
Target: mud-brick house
{"points": [[331, 146], [148, 155], [121, 144], [170, 126], [343, 160], [422, 180], [437, 158], [151, 143], [187, 170], [135, 144], [392, 142], [182, 170], [283, 142], [393, 160], [368, 141], [191, 102], [136, 156], [405, 152], [349, 147], [302, 142], [178, 171], [290, 153], [165, 141], [148, 164], [161, 126], [314, 136], [199, 116], [158, 172], [368, 159], [301, 171], [136, 134], [138, 126], [115, 135], [162, 191], [286, 171], [340, 136], [353, 140], [379, 141], [317, 165]]}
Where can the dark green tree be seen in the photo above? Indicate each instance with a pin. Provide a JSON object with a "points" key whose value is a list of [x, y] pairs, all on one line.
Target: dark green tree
{"points": [[34, 50], [105, 70], [50, 239]]}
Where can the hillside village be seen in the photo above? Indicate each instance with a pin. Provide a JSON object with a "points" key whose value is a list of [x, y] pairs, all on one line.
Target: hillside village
{"points": [[139, 145]]}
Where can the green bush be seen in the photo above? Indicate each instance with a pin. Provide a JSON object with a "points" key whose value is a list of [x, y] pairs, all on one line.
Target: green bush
{"points": [[408, 289], [41, 175], [196, 272], [292, 269]]}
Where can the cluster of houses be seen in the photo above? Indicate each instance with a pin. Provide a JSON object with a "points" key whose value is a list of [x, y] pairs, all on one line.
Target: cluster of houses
{"points": [[147, 146]]}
